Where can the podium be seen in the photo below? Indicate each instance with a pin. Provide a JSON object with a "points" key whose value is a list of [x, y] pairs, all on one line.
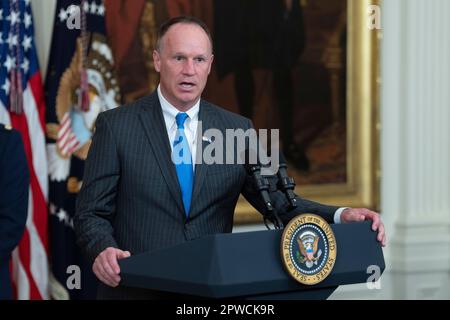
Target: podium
{"points": [[249, 266]]}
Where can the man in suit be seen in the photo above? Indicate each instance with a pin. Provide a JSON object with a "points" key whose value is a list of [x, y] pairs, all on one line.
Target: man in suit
{"points": [[14, 182], [136, 198]]}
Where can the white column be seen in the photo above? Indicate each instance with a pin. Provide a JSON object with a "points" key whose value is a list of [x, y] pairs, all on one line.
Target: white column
{"points": [[415, 152], [415, 146], [43, 14]]}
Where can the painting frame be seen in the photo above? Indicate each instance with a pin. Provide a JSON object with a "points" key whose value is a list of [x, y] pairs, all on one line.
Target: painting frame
{"points": [[362, 186]]}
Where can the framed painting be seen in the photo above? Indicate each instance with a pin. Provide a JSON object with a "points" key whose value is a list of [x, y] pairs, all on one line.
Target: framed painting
{"points": [[336, 108]]}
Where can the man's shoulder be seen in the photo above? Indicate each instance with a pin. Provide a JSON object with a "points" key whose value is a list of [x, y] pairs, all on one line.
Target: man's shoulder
{"points": [[5, 128], [130, 109], [229, 117], [8, 132], [10, 139]]}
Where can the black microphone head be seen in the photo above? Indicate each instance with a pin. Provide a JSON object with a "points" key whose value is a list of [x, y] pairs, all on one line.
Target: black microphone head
{"points": [[251, 161], [281, 158], [282, 161]]}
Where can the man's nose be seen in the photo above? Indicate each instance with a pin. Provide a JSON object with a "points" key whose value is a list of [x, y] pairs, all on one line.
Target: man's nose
{"points": [[188, 67]]}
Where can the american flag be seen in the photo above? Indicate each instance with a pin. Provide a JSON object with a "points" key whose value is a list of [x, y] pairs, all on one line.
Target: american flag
{"points": [[22, 106]]}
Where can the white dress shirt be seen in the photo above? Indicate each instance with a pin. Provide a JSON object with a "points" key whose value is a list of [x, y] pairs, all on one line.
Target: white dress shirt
{"points": [[190, 130], [190, 124]]}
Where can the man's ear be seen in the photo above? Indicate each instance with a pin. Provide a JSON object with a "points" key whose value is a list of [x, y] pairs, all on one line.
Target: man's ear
{"points": [[156, 60], [210, 63]]}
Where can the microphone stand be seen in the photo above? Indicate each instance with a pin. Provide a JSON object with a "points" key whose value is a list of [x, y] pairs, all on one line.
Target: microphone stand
{"points": [[262, 186]]}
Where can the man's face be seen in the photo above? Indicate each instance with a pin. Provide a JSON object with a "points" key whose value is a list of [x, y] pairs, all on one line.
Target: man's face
{"points": [[184, 62]]}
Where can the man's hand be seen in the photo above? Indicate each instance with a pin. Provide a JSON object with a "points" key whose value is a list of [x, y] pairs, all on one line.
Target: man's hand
{"points": [[361, 214], [106, 267]]}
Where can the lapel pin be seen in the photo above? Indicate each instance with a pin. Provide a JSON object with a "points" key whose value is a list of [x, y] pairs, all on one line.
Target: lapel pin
{"points": [[206, 139]]}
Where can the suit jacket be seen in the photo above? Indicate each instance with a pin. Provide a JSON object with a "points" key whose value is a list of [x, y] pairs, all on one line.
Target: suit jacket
{"points": [[130, 198], [14, 182]]}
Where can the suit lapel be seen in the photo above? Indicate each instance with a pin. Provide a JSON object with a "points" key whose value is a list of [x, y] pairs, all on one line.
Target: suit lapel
{"points": [[153, 122], [209, 120]]}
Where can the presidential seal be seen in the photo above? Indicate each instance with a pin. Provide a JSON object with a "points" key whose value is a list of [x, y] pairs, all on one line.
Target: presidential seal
{"points": [[308, 249]]}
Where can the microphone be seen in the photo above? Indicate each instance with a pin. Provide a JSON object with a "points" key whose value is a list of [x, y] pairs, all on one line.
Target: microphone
{"points": [[286, 183], [262, 185]]}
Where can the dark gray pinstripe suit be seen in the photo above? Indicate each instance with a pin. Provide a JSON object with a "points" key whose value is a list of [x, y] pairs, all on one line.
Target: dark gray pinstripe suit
{"points": [[131, 200]]}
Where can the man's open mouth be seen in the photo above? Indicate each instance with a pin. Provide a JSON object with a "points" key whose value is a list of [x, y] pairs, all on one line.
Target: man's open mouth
{"points": [[187, 85]]}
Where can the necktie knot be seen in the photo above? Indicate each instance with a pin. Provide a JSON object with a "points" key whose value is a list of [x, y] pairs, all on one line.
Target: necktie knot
{"points": [[180, 119]]}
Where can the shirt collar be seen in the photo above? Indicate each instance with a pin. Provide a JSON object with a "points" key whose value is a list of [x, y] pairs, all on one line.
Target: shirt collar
{"points": [[170, 112]]}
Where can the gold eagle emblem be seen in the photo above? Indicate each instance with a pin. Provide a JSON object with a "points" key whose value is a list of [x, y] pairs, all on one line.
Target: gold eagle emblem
{"points": [[308, 243]]}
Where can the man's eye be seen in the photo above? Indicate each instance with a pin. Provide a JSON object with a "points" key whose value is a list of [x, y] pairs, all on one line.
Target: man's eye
{"points": [[200, 59], [178, 58]]}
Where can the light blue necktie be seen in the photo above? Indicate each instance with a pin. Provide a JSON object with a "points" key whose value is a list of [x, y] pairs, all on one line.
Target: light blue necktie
{"points": [[181, 157]]}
